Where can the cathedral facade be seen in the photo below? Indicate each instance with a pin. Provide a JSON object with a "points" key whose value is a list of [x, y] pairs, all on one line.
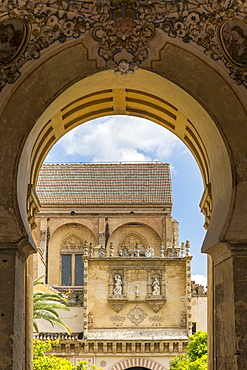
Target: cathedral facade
{"points": [[107, 241]]}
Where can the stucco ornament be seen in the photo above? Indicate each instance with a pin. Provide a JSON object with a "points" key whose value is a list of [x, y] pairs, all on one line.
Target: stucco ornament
{"points": [[137, 315], [124, 30]]}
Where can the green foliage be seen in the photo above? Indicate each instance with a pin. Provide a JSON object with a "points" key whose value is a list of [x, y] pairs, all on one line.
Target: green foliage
{"points": [[197, 346], [41, 361], [179, 363], [45, 306], [196, 354], [84, 365]]}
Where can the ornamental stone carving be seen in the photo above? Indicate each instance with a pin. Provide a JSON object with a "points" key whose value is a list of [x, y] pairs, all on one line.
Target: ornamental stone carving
{"points": [[123, 30], [102, 252], [90, 320], [156, 306], [118, 306], [156, 320], [137, 315], [149, 252], [117, 320]]}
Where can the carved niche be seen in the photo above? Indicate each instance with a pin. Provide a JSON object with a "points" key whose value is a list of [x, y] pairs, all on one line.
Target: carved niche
{"points": [[117, 295], [156, 289]]}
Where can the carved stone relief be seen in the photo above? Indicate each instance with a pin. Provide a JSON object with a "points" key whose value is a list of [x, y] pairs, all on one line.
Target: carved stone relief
{"points": [[90, 320], [72, 242], [183, 319], [118, 306], [156, 320], [137, 315], [156, 306], [117, 320], [123, 30]]}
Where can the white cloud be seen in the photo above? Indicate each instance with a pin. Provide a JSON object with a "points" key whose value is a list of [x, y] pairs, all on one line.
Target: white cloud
{"points": [[200, 279], [118, 138]]}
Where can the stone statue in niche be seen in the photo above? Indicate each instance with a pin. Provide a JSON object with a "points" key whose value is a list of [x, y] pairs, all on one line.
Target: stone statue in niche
{"points": [[156, 286], [118, 289]]}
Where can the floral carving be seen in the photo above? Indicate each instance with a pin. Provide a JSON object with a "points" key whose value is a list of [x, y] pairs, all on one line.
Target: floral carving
{"points": [[123, 29], [156, 320], [117, 320]]}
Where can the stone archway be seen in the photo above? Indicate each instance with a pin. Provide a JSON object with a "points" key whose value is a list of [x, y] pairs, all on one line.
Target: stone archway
{"points": [[34, 114], [137, 363]]}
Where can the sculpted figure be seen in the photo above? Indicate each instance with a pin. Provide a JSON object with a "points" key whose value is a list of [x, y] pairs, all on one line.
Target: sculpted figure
{"points": [[156, 286], [118, 285]]}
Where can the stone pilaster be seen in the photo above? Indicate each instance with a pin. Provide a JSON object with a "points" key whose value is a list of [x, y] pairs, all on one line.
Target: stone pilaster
{"points": [[229, 347], [12, 307]]}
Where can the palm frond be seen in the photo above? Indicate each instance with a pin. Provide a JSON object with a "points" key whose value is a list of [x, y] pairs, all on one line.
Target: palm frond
{"points": [[45, 306]]}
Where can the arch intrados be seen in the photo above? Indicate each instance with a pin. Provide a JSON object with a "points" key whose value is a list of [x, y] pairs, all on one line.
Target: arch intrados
{"points": [[144, 94]]}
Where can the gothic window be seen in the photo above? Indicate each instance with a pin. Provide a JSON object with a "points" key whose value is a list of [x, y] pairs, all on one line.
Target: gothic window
{"points": [[72, 271], [66, 269], [72, 268]]}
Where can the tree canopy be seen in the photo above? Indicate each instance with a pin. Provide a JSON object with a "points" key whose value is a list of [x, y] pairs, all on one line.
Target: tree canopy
{"points": [[42, 361], [196, 354]]}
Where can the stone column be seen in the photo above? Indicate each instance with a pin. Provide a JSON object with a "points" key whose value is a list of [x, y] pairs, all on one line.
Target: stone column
{"points": [[229, 347], [12, 304]]}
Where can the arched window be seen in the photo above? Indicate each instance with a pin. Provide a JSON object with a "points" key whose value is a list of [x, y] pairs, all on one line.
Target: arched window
{"points": [[72, 269]]}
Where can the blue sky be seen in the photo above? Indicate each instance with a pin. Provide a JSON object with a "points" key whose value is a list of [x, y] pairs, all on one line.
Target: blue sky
{"points": [[132, 139]]}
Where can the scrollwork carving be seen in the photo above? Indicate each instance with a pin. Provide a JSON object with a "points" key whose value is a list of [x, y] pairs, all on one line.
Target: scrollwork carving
{"points": [[122, 29]]}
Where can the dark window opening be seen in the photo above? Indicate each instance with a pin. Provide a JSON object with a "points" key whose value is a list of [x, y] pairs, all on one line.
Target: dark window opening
{"points": [[66, 269]]}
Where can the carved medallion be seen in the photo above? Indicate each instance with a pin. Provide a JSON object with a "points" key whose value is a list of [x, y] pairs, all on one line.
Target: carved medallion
{"points": [[123, 29], [137, 315], [13, 37], [233, 40]]}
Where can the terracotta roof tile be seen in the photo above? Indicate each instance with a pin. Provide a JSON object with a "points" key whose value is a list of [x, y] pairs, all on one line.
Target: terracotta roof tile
{"points": [[105, 184]]}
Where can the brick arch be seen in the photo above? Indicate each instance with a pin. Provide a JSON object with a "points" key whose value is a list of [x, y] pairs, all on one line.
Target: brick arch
{"points": [[140, 362]]}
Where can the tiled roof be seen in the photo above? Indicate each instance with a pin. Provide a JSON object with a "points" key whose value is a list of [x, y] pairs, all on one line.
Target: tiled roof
{"points": [[105, 184]]}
